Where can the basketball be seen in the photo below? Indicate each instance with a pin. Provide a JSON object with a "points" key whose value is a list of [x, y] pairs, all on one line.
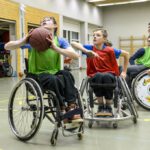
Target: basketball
{"points": [[38, 39]]}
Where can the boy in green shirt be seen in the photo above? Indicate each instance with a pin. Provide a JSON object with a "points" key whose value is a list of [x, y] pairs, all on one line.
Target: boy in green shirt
{"points": [[45, 65], [139, 62]]}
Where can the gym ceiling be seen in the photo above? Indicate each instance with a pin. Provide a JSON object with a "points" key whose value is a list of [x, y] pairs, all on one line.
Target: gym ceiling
{"points": [[102, 3]]}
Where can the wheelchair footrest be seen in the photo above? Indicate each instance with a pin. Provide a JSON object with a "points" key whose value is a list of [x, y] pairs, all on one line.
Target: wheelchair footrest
{"points": [[71, 113], [72, 126], [104, 114]]}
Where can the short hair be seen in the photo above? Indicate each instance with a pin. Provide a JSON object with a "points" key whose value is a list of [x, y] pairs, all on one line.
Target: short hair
{"points": [[54, 21], [104, 32]]}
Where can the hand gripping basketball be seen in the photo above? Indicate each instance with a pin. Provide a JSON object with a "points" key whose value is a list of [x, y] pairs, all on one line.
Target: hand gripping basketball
{"points": [[38, 39]]}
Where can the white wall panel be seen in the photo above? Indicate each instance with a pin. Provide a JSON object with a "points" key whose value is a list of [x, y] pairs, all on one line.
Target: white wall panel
{"points": [[76, 9], [91, 28], [71, 25], [126, 20]]}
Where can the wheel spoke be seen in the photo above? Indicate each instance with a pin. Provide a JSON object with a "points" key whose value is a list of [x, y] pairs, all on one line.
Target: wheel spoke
{"points": [[25, 109]]}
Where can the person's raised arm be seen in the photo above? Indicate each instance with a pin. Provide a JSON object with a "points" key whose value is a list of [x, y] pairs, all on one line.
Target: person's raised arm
{"points": [[11, 45], [69, 52], [139, 53], [80, 47], [66, 50], [14, 44], [125, 54]]}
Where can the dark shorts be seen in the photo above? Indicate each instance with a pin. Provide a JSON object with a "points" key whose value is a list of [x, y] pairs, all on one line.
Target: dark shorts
{"points": [[62, 83], [104, 78]]}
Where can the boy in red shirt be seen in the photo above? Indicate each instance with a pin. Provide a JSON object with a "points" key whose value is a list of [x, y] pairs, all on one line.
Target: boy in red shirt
{"points": [[102, 67]]}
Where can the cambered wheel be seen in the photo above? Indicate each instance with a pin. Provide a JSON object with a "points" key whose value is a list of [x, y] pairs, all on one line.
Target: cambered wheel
{"points": [[25, 109], [90, 124], [115, 125], [54, 136], [129, 100], [80, 136], [9, 71], [81, 130], [141, 90], [124, 107], [134, 120], [130, 97]]}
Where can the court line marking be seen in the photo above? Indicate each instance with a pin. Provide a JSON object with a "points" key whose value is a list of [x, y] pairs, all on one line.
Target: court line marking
{"points": [[1, 109], [2, 101], [147, 119]]}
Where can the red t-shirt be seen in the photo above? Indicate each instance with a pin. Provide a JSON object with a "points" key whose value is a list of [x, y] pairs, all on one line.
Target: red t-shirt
{"points": [[106, 62]]}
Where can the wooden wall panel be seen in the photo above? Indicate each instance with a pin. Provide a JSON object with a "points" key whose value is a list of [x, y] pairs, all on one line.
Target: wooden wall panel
{"points": [[34, 15], [10, 11]]}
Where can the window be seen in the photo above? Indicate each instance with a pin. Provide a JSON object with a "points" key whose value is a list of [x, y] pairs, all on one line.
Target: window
{"points": [[71, 35]]}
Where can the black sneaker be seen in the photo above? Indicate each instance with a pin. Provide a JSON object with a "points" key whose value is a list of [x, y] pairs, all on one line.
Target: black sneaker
{"points": [[109, 110], [100, 111], [104, 111], [100, 108]]}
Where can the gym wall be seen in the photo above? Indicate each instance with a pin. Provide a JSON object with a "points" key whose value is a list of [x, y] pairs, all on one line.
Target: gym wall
{"points": [[126, 20], [9, 13], [75, 9]]}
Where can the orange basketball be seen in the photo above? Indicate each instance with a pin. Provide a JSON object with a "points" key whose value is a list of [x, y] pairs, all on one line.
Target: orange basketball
{"points": [[38, 39]]}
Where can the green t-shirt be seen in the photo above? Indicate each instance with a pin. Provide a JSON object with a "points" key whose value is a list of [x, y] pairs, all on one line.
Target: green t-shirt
{"points": [[44, 62], [145, 59]]}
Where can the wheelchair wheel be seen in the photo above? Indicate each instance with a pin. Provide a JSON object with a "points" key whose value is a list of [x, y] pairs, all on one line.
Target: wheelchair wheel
{"points": [[54, 136], [128, 99], [141, 90], [9, 71], [81, 132], [80, 103], [131, 98], [90, 124], [115, 125], [25, 109]]}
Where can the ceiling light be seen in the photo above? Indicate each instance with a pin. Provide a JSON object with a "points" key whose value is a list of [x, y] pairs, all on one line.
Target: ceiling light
{"points": [[95, 0], [119, 3]]}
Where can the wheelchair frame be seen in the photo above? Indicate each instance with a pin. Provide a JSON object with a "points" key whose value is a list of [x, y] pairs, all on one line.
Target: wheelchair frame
{"points": [[122, 101], [140, 89], [26, 115]]}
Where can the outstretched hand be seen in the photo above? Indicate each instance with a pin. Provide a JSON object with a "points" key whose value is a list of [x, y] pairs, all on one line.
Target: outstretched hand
{"points": [[92, 54]]}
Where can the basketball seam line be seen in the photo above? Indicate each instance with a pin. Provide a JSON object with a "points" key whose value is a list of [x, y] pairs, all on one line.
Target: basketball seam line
{"points": [[42, 38]]}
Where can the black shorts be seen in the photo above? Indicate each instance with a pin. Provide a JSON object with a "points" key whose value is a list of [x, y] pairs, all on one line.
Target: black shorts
{"points": [[103, 78]]}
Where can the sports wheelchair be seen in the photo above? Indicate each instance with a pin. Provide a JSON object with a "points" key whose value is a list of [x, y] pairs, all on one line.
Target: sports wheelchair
{"points": [[29, 105], [140, 89], [124, 107]]}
